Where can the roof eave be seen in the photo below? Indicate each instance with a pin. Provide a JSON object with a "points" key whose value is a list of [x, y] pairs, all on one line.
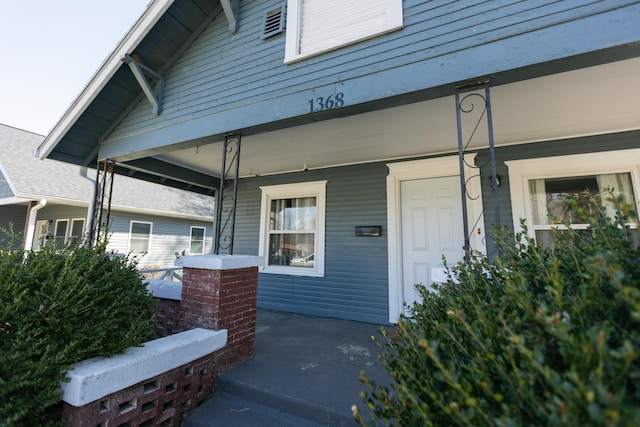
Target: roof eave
{"points": [[127, 45]]}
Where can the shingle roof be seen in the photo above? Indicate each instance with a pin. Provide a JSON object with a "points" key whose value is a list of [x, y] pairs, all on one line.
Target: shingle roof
{"points": [[51, 179]]}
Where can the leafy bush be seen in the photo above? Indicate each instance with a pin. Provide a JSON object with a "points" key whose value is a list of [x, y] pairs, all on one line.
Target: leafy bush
{"points": [[58, 308], [537, 337]]}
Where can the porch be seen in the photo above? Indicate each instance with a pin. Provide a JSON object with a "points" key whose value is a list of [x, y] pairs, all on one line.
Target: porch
{"points": [[304, 372]]}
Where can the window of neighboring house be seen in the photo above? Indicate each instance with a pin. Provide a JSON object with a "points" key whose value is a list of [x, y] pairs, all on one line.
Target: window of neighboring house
{"points": [[292, 228], [316, 26], [542, 190], [139, 236], [60, 234], [77, 231], [196, 242]]}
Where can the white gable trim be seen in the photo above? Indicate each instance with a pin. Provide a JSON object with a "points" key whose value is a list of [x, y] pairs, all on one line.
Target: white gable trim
{"points": [[126, 46]]}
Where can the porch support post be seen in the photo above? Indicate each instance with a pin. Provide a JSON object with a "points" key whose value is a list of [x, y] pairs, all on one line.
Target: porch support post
{"points": [[100, 217], [219, 292], [477, 118], [227, 196]]}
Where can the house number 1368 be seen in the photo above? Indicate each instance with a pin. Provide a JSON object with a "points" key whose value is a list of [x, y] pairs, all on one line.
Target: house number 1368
{"points": [[326, 103]]}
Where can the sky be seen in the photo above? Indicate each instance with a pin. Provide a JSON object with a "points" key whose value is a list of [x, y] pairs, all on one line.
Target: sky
{"points": [[50, 49]]}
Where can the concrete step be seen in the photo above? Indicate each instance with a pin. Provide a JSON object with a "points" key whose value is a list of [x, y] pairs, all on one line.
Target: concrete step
{"points": [[242, 405]]}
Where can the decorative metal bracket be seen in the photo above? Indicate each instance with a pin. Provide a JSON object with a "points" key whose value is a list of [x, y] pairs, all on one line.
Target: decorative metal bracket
{"points": [[466, 99], [227, 196], [230, 8], [100, 217], [141, 72]]}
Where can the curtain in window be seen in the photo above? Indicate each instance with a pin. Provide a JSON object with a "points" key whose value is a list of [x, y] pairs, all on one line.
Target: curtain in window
{"points": [[614, 184], [538, 191], [293, 214]]}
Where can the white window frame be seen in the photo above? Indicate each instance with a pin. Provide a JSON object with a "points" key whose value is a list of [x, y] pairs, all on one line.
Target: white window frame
{"points": [[315, 189], [392, 21], [522, 171], [70, 230], [204, 236], [131, 235], [66, 232]]}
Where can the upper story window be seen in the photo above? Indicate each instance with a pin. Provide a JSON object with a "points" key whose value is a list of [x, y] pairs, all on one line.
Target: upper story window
{"points": [[139, 236], [542, 190], [196, 241], [316, 26], [292, 228]]}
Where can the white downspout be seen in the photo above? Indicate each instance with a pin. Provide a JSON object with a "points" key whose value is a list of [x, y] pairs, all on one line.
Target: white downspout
{"points": [[92, 201], [31, 224]]}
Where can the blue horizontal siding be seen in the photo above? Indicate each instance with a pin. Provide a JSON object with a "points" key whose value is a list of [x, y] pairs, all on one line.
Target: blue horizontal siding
{"points": [[221, 72], [354, 286]]}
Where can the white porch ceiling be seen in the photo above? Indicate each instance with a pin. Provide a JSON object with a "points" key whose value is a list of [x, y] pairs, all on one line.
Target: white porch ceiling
{"points": [[590, 101]]}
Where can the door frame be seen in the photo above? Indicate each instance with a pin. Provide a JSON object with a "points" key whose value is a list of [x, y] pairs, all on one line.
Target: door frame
{"points": [[423, 169]]}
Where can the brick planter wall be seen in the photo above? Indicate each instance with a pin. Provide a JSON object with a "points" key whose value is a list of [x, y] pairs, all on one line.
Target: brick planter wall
{"points": [[162, 400], [152, 385], [140, 388], [166, 317]]}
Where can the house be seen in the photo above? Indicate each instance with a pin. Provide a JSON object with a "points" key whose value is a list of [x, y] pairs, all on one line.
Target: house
{"points": [[47, 201], [376, 135]]}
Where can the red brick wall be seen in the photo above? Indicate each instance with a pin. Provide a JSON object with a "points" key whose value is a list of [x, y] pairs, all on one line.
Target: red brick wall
{"points": [[158, 401], [166, 317], [222, 299]]}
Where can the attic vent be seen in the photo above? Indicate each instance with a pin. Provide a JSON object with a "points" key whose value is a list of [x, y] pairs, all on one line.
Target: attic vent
{"points": [[273, 22]]}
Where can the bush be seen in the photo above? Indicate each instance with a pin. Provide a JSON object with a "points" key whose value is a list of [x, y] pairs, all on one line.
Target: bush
{"points": [[537, 337], [58, 308]]}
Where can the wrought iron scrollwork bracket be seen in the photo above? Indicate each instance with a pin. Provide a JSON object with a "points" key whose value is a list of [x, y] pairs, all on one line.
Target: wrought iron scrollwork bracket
{"points": [[227, 196], [473, 110]]}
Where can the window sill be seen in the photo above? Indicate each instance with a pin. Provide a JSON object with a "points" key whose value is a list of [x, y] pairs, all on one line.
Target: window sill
{"points": [[291, 272]]}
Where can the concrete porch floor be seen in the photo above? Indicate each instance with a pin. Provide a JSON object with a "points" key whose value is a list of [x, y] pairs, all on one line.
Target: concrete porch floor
{"points": [[304, 372]]}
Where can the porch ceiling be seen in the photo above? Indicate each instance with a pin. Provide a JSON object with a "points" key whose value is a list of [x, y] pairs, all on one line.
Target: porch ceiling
{"points": [[596, 100]]}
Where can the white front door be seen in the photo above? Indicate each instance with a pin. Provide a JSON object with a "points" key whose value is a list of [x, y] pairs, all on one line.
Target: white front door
{"points": [[432, 227], [424, 212]]}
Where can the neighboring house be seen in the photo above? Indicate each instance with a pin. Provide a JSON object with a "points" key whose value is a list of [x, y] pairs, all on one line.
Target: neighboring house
{"points": [[150, 221], [350, 179]]}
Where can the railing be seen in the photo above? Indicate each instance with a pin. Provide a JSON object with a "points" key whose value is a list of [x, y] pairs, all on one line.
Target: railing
{"points": [[166, 274]]}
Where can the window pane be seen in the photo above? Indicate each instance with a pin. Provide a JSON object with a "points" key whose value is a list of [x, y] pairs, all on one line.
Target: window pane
{"points": [[196, 245], [61, 233], [77, 228], [552, 197], [139, 239], [295, 250], [197, 233], [293, 214], [140, 230], [139, 245]]}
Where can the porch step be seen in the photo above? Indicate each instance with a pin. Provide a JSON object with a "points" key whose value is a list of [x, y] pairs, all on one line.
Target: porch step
{"points": [[243, 405]]}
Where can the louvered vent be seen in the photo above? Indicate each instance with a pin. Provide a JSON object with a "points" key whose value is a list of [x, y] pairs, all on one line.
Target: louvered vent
{"points": [[273, 22]]}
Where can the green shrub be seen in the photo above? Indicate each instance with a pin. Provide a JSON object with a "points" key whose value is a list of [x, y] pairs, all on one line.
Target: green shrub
{"points": [[56, 309], [537, 337]]}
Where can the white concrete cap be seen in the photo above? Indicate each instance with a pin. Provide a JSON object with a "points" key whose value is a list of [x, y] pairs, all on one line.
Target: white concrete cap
{"points": [[95, 378], [165, 289], [221, 262]]}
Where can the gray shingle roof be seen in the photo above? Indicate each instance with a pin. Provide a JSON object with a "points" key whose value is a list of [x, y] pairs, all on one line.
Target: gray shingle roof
{"points": [[59, 181]]}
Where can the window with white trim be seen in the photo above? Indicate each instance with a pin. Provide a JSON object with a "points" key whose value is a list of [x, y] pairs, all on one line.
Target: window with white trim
{"points": [[76, 233], [292, 221], [196, 240], [60, 235], [542, 189], [139, 236], [316, 26]]}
